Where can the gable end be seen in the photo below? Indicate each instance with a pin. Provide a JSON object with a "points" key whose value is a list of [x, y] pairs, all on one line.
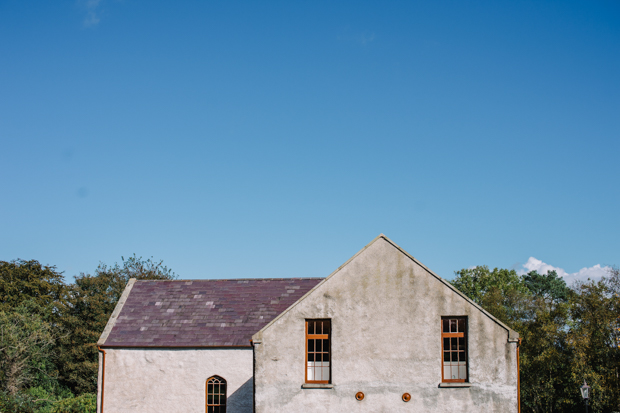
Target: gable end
{"points": [[513, 336]]}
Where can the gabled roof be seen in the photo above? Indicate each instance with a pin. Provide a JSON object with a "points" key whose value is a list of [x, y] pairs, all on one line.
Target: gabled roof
{"points": [[513, 336], [199, 313]]}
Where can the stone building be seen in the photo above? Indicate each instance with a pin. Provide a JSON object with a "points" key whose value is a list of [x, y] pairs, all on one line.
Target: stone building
{"points": [[382, 333]]}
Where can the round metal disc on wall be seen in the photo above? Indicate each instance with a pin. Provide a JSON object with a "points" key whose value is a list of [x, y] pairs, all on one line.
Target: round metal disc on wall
{"points": [[359, 396], [406, 397]]}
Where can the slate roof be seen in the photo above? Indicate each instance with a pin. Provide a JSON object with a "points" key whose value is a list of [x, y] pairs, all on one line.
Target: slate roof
{"points": [[202, 313]]}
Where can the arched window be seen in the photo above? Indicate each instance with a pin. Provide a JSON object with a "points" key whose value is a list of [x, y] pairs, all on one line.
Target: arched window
{"points": [[216, 395]]}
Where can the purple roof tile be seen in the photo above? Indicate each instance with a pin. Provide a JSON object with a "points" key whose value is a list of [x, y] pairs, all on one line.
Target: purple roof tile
{"points": [[201, 313]]}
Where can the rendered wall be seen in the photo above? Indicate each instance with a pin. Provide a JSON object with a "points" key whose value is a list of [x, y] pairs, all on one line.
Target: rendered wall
{"points": [[386, 340], [173, 381]]}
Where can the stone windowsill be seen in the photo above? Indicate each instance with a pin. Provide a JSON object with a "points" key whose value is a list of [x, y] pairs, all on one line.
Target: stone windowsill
{"points": [[317, 386], [447, 385]]}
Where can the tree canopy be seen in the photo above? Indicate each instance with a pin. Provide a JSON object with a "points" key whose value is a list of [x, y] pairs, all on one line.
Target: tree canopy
{"points": [[29, 281], [49, 330]]}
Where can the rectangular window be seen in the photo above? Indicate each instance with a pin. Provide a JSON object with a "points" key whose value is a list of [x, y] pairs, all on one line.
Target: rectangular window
{"points": [[454, 349], [318, 351]]}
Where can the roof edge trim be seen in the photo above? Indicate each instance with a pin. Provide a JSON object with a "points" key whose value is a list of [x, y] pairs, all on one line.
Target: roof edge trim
{"points": [[117, 310], [121, 346], [232, 279]]}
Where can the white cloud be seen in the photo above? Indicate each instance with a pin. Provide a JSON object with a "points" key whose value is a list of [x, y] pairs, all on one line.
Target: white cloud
{"points": [[595, 272], [91, 19], [366, 38], [92, 12], [363, 38]]}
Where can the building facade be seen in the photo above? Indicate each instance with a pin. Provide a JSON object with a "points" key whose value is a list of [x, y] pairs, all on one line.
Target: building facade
{"points": [[381, 334]]}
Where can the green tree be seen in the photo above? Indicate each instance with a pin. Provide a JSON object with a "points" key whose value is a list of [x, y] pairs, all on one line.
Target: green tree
{"points": [[500, 291], [22, 280], [593, 335], [26, 342], [545, 356], [548, 286], [84, 403], [30, 296]]}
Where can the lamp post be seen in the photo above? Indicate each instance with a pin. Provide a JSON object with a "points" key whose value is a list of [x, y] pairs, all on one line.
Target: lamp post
{"points": [[585, 393]]}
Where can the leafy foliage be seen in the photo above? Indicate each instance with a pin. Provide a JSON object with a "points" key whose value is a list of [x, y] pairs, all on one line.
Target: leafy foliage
{"points": [[84, 403], [546, 286], [49, 331], [592, 337], [25, 342], [17, 403], [500, 291], [29, 281]]}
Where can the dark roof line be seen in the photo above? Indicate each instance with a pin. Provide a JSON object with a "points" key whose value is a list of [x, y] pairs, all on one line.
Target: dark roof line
{"points": [[235, 279]]}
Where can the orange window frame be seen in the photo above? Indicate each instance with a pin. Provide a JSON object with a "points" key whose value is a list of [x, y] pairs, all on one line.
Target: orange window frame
{"points": [[324, 335], [449, 335], [219, 392]]}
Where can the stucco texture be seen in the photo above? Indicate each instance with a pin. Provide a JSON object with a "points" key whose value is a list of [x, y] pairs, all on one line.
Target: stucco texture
{"points": [[385, 310], [174, 380]]}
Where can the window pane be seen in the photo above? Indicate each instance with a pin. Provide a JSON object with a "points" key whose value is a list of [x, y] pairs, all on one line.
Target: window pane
{"points": [[461, 325], [310, 345], [461, 356], [462, 372], [461, 343], [446, 356], [318, 357], [446, 326], [326, 326], [446, 344], [310, 356], [453, 326], [310, 327], [454, 343], [325, 371], [325, 356], [318, 345], [455, 356], [446, 373], [326, 345]]}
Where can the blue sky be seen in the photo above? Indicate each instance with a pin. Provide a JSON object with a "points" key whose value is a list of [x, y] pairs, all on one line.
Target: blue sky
{"points": [[276, 139]]}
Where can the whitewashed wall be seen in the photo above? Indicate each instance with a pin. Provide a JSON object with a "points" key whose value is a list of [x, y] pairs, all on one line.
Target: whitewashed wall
{"points": [[386, 340], [173, 380]]}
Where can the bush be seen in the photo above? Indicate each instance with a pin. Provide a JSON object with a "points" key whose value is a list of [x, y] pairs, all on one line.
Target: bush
{"points": [[84, 403], [18, 403]]}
